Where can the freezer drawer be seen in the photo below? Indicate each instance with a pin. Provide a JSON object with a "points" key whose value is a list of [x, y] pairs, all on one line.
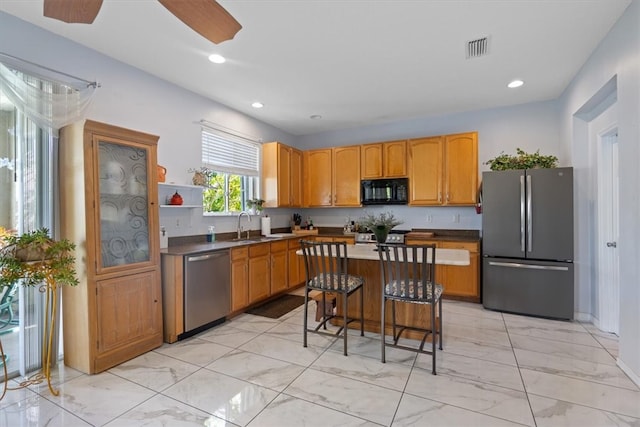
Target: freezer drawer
{"points": [[525, 287]]}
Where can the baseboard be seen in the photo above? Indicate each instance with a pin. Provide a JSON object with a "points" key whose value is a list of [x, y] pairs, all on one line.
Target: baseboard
{"points": [[583, 317], [632, 375]]}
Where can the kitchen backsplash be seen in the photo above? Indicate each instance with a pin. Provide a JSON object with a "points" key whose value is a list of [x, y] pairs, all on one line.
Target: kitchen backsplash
{"points": [[188, 223]]}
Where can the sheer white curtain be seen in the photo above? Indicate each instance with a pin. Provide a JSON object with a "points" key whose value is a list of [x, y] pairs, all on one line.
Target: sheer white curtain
{"points": [[49, 104]]}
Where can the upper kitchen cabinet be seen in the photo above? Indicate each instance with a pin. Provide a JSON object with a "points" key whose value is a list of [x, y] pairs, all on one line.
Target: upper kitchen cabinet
{"points": [[443, 170], [383, 160], [109, 209], [425, 171], [281, 175], [332, 176], [461, 169]]}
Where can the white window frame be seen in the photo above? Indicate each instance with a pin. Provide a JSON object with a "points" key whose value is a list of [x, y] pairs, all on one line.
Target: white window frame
{"points": [[230, 154]]}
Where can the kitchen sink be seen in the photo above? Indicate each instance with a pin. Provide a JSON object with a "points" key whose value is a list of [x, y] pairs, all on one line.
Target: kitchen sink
{"points": [[279, 235]]}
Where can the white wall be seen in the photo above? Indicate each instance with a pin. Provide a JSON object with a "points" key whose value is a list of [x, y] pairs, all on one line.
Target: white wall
{"points": [[532, 127], [137, 100], [617, 56]]}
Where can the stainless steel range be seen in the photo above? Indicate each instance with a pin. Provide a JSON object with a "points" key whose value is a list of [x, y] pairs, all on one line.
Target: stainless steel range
{"points": [[395, 236]]}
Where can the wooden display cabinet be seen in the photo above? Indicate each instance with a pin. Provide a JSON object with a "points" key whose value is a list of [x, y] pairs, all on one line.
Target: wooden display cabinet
{"points": [[109, 209]]}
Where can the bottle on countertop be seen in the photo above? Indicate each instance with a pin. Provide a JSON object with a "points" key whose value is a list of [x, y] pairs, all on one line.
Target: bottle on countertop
{"points": [[310, 223], [211, 234]]}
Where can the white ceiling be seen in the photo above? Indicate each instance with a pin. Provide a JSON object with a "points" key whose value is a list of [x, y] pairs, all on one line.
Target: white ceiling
{"points": [[354, 62]]}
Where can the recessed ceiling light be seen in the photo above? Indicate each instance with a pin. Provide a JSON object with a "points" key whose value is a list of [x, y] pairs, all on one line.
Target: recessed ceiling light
{"points": [[315, 117], [257, 104], [515, 83], [217, 59]]}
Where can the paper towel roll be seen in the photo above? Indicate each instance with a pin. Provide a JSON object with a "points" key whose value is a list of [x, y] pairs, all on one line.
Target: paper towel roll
{"points": [[266, 225]]}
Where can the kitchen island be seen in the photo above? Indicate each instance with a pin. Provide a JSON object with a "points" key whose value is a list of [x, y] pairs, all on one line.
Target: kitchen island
{"points": [[364, 261]]}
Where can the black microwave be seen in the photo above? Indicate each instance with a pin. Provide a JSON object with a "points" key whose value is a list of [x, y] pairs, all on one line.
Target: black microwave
{"points": [[384, 191]]}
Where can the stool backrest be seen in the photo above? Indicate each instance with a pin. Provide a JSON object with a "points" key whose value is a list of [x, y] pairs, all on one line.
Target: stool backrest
{"points": [[325, 262], [410, 267]]}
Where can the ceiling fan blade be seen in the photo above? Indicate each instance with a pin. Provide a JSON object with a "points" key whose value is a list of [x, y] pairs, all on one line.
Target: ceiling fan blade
{"points": [[72, 11], [206, 17]]}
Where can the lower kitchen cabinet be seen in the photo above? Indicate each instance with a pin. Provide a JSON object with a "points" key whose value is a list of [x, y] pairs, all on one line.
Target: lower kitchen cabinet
{"points": [[297, 273], [259, 272], [278, 266], [459, 282], [239, 278], [462, 282]]}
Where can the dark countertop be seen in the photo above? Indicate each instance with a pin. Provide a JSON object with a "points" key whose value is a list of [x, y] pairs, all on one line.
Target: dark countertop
{"points": [[194, 244]]}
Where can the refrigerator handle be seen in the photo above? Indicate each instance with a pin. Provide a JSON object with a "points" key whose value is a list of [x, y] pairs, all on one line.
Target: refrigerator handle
{"points": [[529, 215], [522, 210]]}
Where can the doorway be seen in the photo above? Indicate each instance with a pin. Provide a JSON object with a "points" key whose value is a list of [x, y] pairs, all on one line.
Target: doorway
{"points": [[604, 137]]}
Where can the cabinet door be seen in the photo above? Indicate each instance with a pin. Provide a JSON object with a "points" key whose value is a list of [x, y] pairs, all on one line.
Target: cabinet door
{"points": [[395, 159], [296, 178], [425, 171], [462, 281], [128, 317], [259, 278], [121, 204], [461, 169], [296, 267], [284, 175], [371, 161], [279, 281], [239, 284], [317, 170], [346, 176]]}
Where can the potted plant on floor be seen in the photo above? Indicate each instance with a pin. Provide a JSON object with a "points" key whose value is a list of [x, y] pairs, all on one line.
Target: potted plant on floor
{"points": [[35, 259]]}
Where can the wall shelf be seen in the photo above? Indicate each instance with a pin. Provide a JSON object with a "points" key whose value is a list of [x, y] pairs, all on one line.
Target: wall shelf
{"points": [[191, 195]]}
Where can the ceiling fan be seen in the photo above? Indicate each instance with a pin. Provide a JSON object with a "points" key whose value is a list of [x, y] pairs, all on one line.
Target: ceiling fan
{"points": [[206, 17]]}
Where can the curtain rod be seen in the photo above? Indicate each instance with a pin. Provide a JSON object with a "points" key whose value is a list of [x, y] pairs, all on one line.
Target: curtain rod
{"points": [[89, 83], [220, 128]]}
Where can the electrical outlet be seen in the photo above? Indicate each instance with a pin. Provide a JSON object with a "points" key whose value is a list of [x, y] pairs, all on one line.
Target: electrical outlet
{"points": [[429, 219], [177, 222], [456, 218]]}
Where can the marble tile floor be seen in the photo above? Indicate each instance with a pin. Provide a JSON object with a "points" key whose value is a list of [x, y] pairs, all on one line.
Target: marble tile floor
{"points": [[495, 370]]}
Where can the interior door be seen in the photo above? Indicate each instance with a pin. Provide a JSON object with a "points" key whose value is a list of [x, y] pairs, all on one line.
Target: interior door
{"points": [[608, 264]]}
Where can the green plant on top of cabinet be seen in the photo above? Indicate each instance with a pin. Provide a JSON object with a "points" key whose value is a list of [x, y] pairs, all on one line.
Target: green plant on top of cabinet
{"points": [[443, 170], [281, 175]]}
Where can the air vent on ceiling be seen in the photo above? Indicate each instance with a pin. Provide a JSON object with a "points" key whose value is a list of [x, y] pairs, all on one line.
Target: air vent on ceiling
{"points": [[478, 47]]}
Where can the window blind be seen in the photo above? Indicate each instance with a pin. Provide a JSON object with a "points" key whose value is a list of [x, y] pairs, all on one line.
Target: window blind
{"points": [[227, 153]]}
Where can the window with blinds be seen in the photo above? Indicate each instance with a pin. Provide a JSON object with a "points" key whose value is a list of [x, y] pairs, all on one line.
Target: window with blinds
{"points": [[235, 164]]}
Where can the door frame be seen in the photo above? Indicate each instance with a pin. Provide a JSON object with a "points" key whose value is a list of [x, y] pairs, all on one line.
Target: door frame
{"points": [[603, 130]]}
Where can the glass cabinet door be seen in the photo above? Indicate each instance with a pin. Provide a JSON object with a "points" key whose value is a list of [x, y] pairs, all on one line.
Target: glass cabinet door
{"points": [[123, 204]]}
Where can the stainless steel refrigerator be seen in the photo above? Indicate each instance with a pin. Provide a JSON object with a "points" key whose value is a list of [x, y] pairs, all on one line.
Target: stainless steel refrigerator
{"points": [[527, 242]]}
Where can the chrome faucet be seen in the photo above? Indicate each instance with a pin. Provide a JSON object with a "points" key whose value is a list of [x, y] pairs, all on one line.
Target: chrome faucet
{"points": [[239, 227]]}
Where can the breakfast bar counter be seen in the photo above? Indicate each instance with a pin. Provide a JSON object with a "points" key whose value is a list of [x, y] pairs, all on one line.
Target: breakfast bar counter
{"points": [[364, 261]]}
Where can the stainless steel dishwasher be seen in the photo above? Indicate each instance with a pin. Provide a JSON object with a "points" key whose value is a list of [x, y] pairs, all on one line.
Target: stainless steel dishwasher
{"points": [[207, 287]]}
